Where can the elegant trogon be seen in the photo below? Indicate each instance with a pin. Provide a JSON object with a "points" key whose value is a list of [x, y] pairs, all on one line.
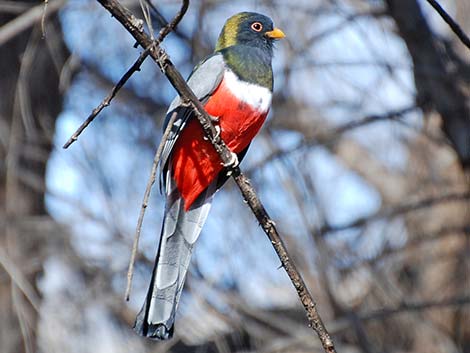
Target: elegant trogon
{"points": [[235, 86]]}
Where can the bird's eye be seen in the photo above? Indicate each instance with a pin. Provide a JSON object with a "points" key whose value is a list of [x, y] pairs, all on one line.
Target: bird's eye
{"points": [[256, 26]]}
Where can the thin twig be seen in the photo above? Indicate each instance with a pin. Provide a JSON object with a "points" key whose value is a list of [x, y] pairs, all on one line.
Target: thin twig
{"points": [[146, 12], [127, 19], [398, 210], [174, 23], [328, 138], [13, 6], [454, 26], [407, 307], [135, 67], [162, 22], [130, 272], [43, 19], [27, 19], [19, 280], [148, 189]]}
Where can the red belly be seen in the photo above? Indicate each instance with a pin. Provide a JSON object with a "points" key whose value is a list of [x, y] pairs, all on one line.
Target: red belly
{"points": [[195, 162]]}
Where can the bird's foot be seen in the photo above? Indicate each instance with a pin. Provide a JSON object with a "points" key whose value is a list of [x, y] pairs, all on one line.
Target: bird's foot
{"points": [[217, 132], [162, 61], [214, 119], [232, 163], [216, 136]]}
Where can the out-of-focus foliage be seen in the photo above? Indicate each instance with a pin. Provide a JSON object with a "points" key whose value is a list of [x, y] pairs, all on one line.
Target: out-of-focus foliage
{"points": [[360, 164]]}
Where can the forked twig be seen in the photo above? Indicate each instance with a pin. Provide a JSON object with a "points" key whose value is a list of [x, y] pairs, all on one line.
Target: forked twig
{"points": [[135, 67]]}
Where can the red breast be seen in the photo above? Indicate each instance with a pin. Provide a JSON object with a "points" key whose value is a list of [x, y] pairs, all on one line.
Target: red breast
{"points": [[195, 162]]}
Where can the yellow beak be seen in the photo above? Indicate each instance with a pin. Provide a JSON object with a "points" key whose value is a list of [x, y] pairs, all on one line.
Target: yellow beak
{"points": [[276, 33]]}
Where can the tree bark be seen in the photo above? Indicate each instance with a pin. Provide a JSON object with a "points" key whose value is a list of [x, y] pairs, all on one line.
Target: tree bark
{"points": [[437, 84]]}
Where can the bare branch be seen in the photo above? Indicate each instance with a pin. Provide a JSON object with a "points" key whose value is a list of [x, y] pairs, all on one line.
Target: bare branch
{"points": [[43, 19], [13, 6], [398, 210], [407, 307], [330, 137], [454, 26], [19, 279], [441, 90], [128, 20], [135, 67], [27, 19]]}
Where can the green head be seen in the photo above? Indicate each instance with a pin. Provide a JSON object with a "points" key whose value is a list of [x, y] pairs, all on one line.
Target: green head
{"points": [[248, 28], [246, 42]]}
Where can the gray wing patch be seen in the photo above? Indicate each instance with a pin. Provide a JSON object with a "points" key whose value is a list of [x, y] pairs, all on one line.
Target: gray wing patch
{"points": [[205, 78]]}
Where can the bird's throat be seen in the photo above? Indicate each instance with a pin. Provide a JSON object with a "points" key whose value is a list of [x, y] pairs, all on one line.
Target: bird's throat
{"points": [[250, 64]]}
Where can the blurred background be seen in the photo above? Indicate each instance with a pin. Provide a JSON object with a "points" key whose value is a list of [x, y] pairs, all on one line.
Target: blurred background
{"points": [[363, 164]]}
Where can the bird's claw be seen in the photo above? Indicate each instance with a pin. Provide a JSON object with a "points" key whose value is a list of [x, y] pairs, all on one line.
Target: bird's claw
{"points": [[216, 136], [233, 163], [214, 119], [162, 61], [217, 132]]}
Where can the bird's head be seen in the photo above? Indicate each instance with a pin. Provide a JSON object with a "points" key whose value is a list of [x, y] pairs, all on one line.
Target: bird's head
{"points": [[248, 28]]}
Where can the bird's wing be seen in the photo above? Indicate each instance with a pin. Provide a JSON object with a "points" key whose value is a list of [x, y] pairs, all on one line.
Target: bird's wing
{"points": [[203, 81], [180, 228]]}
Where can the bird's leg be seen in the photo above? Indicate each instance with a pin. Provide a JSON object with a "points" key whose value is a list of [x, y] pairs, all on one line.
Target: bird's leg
{"points": [[214, 120]]}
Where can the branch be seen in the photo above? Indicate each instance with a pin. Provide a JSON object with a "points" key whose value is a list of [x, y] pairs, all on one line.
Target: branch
{"points": [[344, 323], [126, 18], [407, 307], [397, 211], [328, 138], [454, 26], [441, 89], [135, 67], [27, 19]]}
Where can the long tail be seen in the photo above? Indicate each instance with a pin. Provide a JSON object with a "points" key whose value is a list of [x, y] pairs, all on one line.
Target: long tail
{"points": [[179, 233]]}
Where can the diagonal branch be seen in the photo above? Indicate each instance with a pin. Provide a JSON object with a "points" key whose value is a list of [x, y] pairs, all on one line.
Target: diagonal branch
{"points": [[128, 20], [135, 67], [454, 26], [105, 103]]}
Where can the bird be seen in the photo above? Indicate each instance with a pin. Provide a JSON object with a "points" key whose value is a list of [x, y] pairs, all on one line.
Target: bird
{"points": [[235, 85]]}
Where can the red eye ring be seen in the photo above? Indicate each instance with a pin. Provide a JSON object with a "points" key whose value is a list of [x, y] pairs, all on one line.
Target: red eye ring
{"points": [[257, 26]]}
